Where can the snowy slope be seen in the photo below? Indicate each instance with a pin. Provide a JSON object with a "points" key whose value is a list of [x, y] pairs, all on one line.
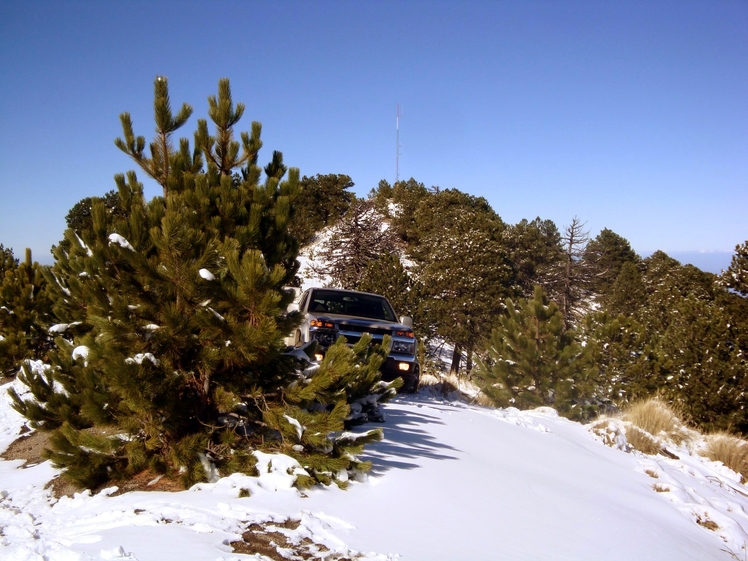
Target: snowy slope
{"points": [[449, 482]]}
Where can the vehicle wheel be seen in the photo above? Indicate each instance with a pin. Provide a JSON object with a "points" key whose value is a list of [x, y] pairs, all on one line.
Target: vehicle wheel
{"points": [[411, 383]]}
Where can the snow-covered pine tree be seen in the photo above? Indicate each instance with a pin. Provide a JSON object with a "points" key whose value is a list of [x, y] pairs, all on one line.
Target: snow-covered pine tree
{"points": [[535, 251], [628, 293], [606, 254], [172, 355], [358, 238], [25, 313], [462, 267], [322, 201], [736, 275], [532, 360]]}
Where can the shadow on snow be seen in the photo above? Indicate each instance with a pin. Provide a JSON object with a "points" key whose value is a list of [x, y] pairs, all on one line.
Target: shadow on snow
{"points": [[405, 439]]}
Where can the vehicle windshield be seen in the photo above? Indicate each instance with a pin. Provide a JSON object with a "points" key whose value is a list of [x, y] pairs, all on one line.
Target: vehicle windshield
{"points": [[351, 304]]}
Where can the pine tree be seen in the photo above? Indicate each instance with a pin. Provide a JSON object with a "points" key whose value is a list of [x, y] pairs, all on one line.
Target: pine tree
{"points": [[617, 354], [387, 276], [406, 197], [608, 253], [25, 314], [628, 293], [7, 260], [323, 199], [462, 268], [535, 250], [533, 361], [79, 217], [357, 239], [173, 359], [702, 367], [736, 275]]}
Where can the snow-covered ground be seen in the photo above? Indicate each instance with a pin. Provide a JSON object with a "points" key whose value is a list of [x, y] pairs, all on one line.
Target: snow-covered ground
{"points": [[450, 481]]}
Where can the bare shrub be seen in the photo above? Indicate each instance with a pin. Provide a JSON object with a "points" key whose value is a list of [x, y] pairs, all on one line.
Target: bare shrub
{"points": [[730, 450], [657, 418]]}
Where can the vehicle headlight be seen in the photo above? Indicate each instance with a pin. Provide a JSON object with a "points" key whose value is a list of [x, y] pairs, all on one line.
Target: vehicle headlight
{"points": [[402, 347]]}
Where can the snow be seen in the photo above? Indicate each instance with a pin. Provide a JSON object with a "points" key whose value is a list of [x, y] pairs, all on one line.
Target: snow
{"points": [[140, 357], [62, 327], [207, 275], [81, 351], [449, 481], [120, 241]]}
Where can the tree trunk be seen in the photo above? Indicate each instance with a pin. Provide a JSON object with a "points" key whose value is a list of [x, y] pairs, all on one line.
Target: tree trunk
{"points": [[456, 357]]}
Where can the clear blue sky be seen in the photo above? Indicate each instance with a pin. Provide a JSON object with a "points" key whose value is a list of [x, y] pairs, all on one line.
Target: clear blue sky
{"points": [[631, 115]]}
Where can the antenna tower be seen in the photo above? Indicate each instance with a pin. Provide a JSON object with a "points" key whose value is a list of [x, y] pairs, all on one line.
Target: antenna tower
{"points": [[398, 114]]}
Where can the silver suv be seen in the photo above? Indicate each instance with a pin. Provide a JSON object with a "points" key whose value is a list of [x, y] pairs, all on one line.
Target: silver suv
{"points": [[329, 313]]}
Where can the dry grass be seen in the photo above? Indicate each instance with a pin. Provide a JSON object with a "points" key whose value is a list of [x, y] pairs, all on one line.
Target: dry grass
{"points": [[651, 473], [660, 488], [657, 418], [706, 523], [730, 450], [642, 441], [483, 400]]}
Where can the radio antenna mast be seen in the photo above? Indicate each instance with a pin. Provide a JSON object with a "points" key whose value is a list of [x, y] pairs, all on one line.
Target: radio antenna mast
{"points": [[398, 114]]}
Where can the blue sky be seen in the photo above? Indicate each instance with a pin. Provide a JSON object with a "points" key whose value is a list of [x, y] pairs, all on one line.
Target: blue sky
{"points": [[631, 115]]}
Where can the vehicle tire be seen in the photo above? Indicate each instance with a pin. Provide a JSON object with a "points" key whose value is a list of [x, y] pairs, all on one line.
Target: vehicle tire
{"points": [[411, 383]]}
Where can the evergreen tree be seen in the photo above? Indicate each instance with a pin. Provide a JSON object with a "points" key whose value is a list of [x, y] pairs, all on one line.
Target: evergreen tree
{"points": [[322, 200], [607, 253], [174, 357], [387, 276], [357, 239], [25, 314], [463, 268], [628, 293], [7, 260], [616, 352], [79, 218], [532, 360], [701, 366], [406, 197], [535, 251], [736, 275]]}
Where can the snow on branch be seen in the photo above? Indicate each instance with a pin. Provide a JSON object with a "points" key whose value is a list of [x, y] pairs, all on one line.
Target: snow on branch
{"points": [[120, 241]]}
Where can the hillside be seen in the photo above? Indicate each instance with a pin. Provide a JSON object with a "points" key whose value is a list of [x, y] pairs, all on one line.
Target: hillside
{"points": [[450, 481]]}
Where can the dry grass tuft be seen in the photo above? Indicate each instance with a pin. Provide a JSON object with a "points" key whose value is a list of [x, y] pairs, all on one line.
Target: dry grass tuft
{"points": [[730, 450], [483, 400], [651, 473], [706, 523], [658, 419], [642, 441], [661, 488]]}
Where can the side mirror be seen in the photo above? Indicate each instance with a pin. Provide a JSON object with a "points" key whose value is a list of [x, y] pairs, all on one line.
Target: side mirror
{"points": [[407, 320]]}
